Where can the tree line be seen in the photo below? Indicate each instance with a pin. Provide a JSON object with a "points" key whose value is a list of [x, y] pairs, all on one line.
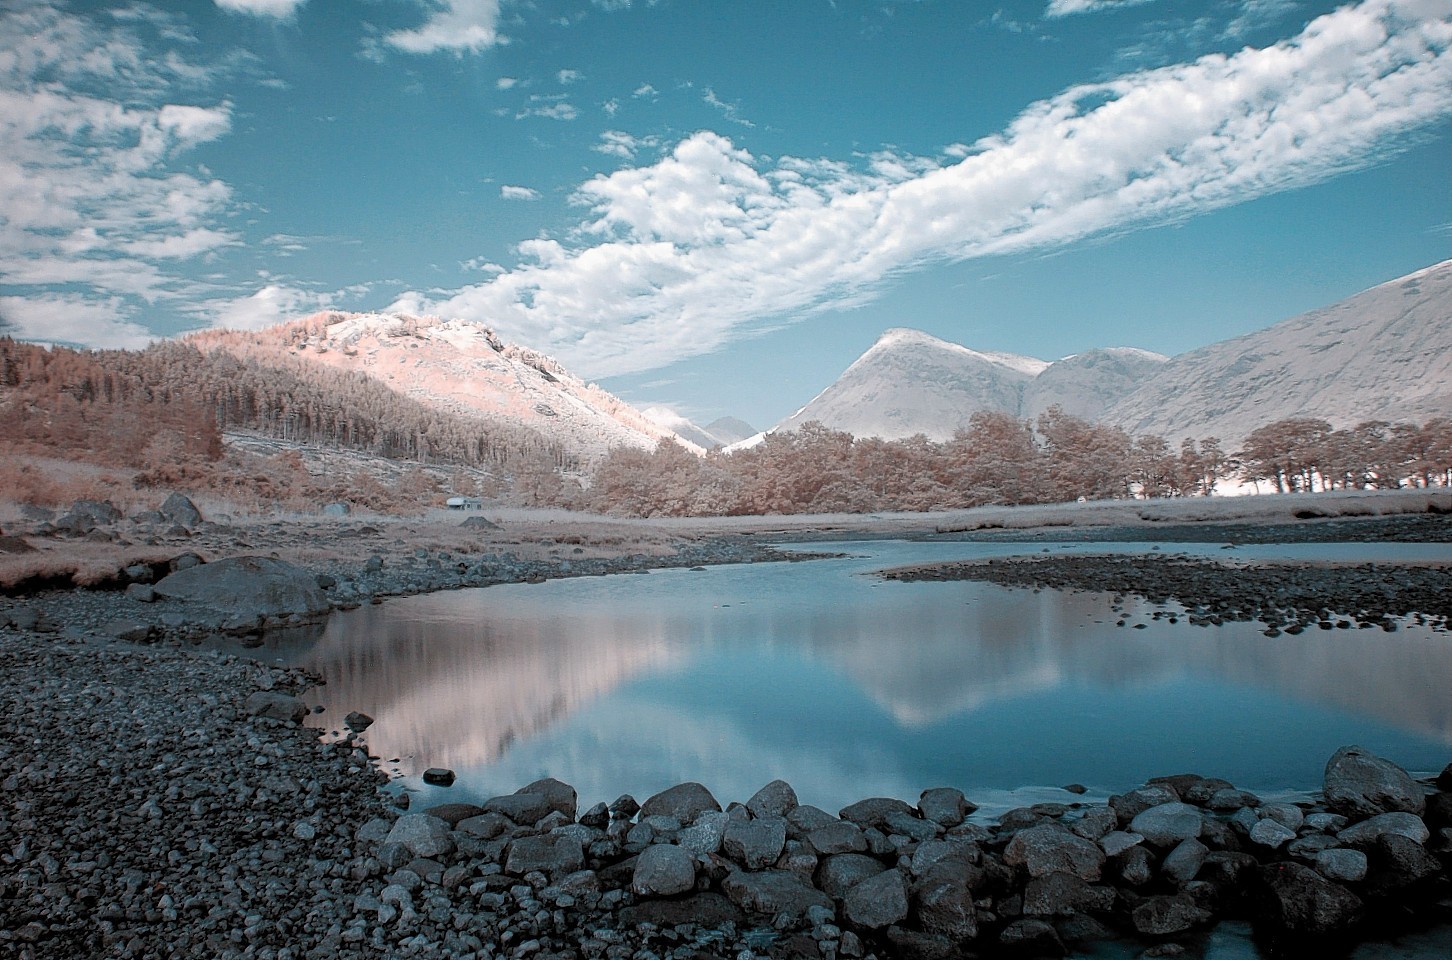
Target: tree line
{"points": [[999, 459]]}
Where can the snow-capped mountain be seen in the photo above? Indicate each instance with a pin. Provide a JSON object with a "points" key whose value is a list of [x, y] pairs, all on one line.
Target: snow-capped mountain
{"points": [[909, 382], [462, 367], [1383, 354], [1086, 384]]}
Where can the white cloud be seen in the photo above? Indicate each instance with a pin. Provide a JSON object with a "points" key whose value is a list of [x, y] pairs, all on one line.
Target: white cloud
{"points": [[678, 257], [506, 83], [508, 192], [262, 8], [616, 143], [645, 90], [457, 26], [272, 304], [1064, 8], [567, 77], [68, 319], [549, 106], [98, 204]]}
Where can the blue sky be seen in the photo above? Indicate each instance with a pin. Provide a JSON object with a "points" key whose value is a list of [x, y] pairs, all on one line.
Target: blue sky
{"points": [[716, 206]]}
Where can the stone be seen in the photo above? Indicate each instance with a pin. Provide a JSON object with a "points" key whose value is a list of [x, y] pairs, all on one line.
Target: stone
{"points": [[1367, 831], [178, 508], [1301, 902], [554, 855], [878, 901], [755, 844], [707, 910], [684, 801], [1031, 937], [1117, 841], [1397, 863], [131, 631], [597, 816], [1048, 848], [945, 806], [934, 852], [1184, 862], [946, 908], [1136, 866], [276, 706], [897, 823], [439, 777], [454, 813], [99, 512], [910, 944], [838, 874], [525, 809], [1130, 805], [1341, 865], [141, 592], [357, 722], [486, 826], [1097, 823], [1327, 822], [624, 807], [559, 795], [422, 835], [873, 811], [1231, 799], [774, 892], [839, 836], [1063, 895], [248, 587], [703, 838], [479, 523], [1166, 824], [1165, 916], [776, 799], [1287, 814], [1358, 784], [805, 818], [1271, 833]]}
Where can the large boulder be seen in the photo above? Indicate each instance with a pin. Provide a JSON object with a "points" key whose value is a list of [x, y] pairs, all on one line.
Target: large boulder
{"points": [[552, 854], [275, 705], [1359, 784], [1167, 824], [773, 892], [684, 801], [248, 587], [1044, 849], [1298, 901], [663, 870], [178, 508], [878, 901], [755, 844], [422, 835]]}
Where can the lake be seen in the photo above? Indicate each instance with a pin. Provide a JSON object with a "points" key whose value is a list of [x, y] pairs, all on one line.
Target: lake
{"points": [[848, 686]]}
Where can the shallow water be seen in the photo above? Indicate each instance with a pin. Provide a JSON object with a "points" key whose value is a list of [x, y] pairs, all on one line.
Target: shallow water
{"points": [[849, 686]]}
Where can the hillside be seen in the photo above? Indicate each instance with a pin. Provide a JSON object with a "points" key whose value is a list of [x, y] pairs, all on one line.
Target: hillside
{"points": [[1383, 354], [457, 367]]}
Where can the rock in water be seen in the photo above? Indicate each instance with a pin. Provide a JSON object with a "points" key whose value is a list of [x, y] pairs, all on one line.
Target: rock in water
{"points": [[1359, 784], [248, 587], [684, 801], [438, 777]]}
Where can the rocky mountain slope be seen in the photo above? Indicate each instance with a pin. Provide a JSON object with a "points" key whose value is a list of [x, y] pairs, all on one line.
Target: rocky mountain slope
{"points": [[461, 367], [1086, 384], [1383, 354]]}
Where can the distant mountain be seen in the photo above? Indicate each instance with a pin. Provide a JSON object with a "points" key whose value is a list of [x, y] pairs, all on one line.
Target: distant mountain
{"points": [[1383, 354], [1086, 384], [721, 432], [460, 367], [909, 382]]}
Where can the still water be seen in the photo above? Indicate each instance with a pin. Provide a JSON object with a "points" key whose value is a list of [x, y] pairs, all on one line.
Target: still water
{"points": [[848, 686]]}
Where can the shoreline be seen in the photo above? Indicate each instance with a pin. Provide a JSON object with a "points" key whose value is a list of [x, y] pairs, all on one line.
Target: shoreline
{"points": [[129, 842]]}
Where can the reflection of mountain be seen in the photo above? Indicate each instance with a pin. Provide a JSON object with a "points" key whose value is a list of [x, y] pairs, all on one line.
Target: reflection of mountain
{"points": [[447, 687], [513, 676]]}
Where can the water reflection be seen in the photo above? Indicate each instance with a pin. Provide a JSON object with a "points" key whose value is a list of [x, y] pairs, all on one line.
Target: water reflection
{"points": [[848, 686]]}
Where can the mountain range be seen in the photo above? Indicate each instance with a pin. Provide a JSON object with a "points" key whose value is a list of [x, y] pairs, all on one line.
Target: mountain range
{"points": [[1383, 354]]}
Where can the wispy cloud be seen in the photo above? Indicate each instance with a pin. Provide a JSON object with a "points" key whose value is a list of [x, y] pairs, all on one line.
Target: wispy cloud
{"points": [[272, 304], [454, 26], [278, 9], [98, 204], [1064, 8], [710, 242], [567, 77], [508, 192], [731, 111]]}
